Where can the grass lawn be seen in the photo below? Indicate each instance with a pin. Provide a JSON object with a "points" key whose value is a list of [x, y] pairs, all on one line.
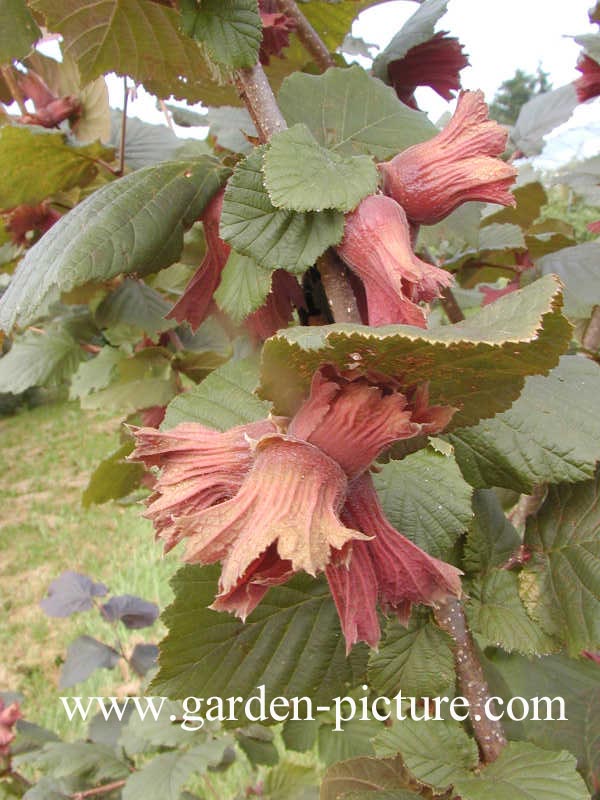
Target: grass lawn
{"points": [[46, 457]]}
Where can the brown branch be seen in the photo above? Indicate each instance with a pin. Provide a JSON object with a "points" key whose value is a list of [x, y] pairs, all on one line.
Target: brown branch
{"points": [[307, 34], [13, 88], [340, 296], [591, 337], [447, 299], [471, 681], [255, 90], [99, 790], [450, 305]]}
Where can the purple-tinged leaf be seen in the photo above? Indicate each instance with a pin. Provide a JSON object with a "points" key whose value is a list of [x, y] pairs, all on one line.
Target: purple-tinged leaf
{"points": [[143, 658], [132, 611], [84, 656], [71, 592]]}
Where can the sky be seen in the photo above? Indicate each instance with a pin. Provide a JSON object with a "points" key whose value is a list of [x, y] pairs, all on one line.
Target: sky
{"points": [[499, 36]]}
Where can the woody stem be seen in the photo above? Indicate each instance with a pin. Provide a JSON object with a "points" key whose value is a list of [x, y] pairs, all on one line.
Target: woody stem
{"points": [[307, 34], [255, 91], [488, 732]]}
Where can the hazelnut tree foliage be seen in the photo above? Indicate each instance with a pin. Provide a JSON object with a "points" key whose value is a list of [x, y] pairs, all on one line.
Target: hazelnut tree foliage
{"points": [[358, 366]]}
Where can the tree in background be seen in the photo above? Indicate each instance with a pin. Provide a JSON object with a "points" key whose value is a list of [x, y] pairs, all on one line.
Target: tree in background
{"points": [[515, 92]]}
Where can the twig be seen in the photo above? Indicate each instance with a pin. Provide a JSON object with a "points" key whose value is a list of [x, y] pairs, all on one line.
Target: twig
{"points": [[450, 305], [473, 686], [98, 790], [447, 300], [16, 776], [256, 92], [123, 127], [340, 296], [527, 505], [307, 34], [13, 88], [591, 337], [167, 114]]}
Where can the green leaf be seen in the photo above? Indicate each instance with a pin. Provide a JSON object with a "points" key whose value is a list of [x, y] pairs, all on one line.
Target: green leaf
{"points": [[547, 436], [275, 238], [435, 751], [478, 365], [301, 175], [577, 683], [366, 778], [332, 21], [37, 163], [289, 780], [135, 224], [577, 267], [355, 739], [146, 144], [142, 381], [562, 580], [425, 497], [231, 30], [418, 660], [496, 613], [491, 539], [223, 400], [418, 29], [204, 350], [38, 359], [18, 31], [62, 759], [540, 115], [141, 735], [135, 38], [113, 478], [530, 197], [50, 789], [456, 232], [498, 236], [301, 734], [135, 309], [244, 287], [96, 373], [230, 126], [351, 113], [291, 644], [522, 772], [257, 743], [163, 777]]}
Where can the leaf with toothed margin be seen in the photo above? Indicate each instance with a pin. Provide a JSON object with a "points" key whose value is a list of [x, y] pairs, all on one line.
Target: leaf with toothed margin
{"points": [[302, 175], [230, 30], [135, 224], [417, 30], [136, 38], [291, 643], [352, 113], [534, 441], [275, 238], [477, 366], [560, 584]]}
